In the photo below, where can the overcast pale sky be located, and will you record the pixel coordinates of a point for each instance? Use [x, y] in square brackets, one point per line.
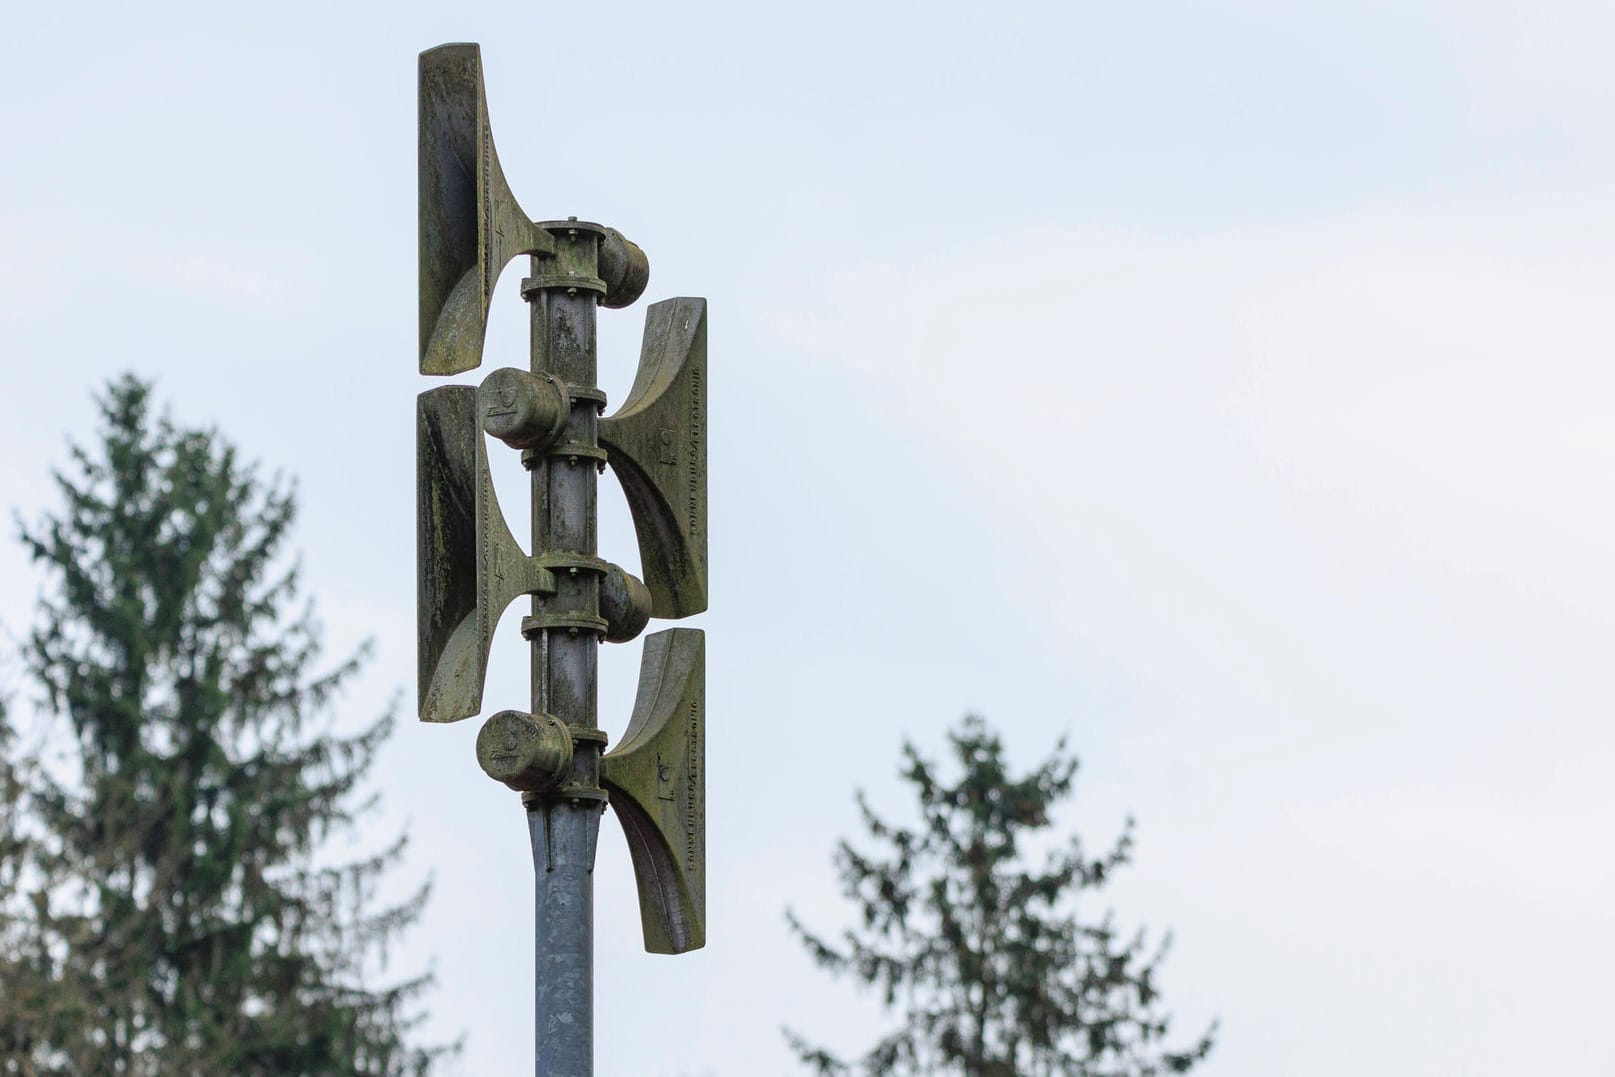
[1227, 384]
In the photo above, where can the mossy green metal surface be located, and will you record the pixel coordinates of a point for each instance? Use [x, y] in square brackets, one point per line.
[469, 567]
[624, 603]
[624, 268]
[470, 224]
[657, 782]
[657, 445]
[530, 753]
[522, 409]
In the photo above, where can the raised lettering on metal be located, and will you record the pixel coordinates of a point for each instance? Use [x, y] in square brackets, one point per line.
[657, 445]
[657, 782]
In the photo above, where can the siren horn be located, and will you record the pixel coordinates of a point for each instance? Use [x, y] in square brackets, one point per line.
[470, 223]
[657, 781]
[469, 568]
[657, 445]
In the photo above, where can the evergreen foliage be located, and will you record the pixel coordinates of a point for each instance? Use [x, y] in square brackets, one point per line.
[983, 955]
[165, 907]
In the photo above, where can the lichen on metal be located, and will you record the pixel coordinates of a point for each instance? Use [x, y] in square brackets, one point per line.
[657, 782]
[470, 224]
[530, 753]
[470, 567]
[656, 443]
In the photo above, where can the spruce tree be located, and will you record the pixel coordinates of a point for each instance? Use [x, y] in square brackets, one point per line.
[172, 909]
[24, 987]
[982, 954]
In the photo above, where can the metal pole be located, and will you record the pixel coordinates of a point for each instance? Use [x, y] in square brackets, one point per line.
[564, 824]
[563, 838]
[470, 566]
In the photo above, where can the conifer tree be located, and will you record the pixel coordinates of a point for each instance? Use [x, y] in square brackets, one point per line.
[170, 908]
[983, 955]
[22, 986]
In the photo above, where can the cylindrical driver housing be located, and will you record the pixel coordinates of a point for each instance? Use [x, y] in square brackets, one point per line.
[528, 752]
[522, 409]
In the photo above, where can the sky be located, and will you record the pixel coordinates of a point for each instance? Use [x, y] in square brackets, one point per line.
[1224, 385]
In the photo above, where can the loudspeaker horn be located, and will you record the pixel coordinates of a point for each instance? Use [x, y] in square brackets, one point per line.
[656, 779]
[469, 568]
[470, 224]
[657, 445]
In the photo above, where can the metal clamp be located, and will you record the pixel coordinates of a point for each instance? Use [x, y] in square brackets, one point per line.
[574, 621]
[531, 286]
[572, 450]
[584, 392]
[563, 561]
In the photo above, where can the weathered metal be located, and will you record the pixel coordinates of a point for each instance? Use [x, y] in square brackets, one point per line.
[624, 268]
[522, 409]
[470, 567]
[657, 781]
[530, 753]
[470, 224]
[563, 838]
[657, 447]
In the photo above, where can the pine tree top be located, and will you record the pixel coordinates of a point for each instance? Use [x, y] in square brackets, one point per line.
[980, 950]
